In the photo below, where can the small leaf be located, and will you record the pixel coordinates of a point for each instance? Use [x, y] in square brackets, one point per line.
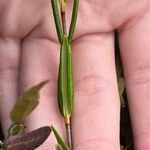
[29, 141]
[15, 129]
[65, 81]
[26, 103]
[61, 143]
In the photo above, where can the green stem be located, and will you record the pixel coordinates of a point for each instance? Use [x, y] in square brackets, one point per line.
[73, 19]
[57, 20]
[65, 77]
[65, 85]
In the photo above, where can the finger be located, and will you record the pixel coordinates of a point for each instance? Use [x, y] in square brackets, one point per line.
[135, 51]
[9, 70]
[39, 61]
[95, 121]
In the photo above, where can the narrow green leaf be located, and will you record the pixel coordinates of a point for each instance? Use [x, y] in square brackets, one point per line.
[26, 103]
[29, 141]
[121, 87]
[65, 80]
[57, 20]
[61, 143]
[73, 19]
[119, 68]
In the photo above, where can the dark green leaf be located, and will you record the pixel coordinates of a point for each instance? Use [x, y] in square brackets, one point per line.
[73, 20]
[61, 143]
[29, 141]
[57, 20]
[65, 80]
[26, 103]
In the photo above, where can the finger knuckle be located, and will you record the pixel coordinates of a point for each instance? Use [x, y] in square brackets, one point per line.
[93, 84]
[139, 76]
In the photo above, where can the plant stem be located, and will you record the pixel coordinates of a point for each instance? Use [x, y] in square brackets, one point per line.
[63, 16]
[67, 120]
[69, 134]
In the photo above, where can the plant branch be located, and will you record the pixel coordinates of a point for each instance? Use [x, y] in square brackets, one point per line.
[67, 120]
[69, 135]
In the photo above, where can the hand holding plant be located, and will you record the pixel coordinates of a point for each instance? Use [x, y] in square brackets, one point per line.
[29, 54]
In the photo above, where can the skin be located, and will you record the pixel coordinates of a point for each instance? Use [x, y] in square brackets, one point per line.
[29, 53]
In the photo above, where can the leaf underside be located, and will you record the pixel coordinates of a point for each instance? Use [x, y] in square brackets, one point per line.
[29, 141]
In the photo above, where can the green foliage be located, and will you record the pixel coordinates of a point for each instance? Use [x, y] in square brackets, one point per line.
[73, 19]
[61, 143]
[26, 103]
[57, 20]
[65, 80]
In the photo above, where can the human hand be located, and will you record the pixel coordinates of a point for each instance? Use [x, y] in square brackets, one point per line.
[29, 53]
